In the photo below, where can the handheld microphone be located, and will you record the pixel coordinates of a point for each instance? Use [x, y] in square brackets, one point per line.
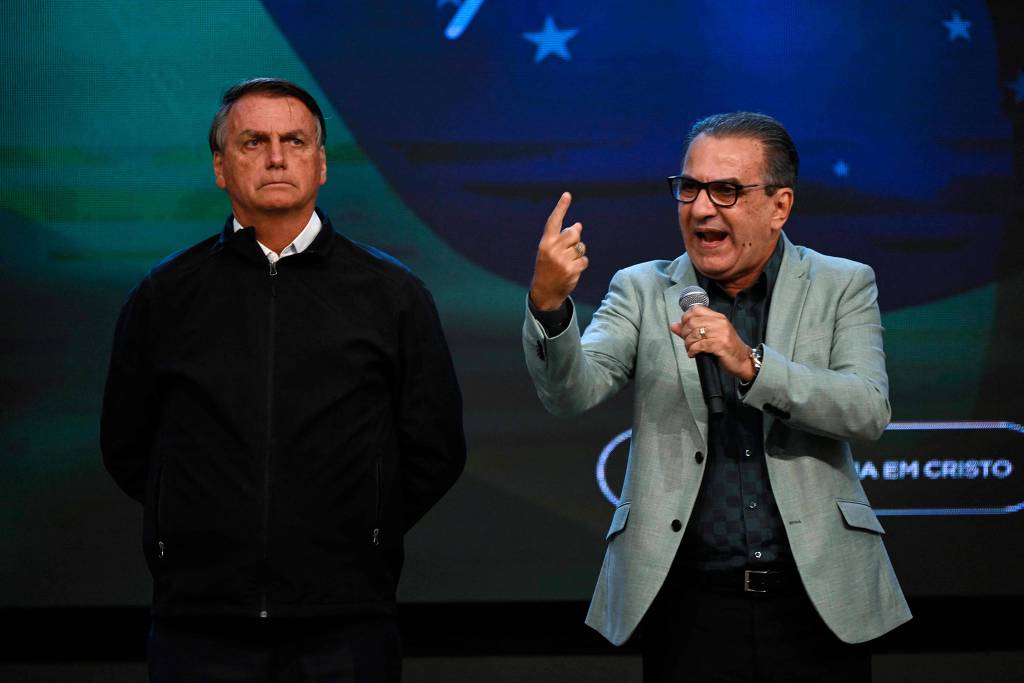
[707, 364]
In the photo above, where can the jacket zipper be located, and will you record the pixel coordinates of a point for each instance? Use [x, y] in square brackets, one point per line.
[269, 435]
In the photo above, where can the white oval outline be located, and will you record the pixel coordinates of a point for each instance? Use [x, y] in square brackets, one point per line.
[606, 452]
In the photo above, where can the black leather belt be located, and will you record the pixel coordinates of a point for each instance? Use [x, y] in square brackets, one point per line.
[763, 581]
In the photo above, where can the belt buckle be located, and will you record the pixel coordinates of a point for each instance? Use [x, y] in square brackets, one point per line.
[759, 583]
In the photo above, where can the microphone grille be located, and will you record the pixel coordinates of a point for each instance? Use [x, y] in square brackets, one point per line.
[693, 296]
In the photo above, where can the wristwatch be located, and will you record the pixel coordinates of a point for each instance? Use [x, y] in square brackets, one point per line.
[756, 355]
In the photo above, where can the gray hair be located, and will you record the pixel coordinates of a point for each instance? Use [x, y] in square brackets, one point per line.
[272, 87]
[781, 161]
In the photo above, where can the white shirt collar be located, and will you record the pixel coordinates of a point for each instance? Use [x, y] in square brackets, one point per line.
[298, 245]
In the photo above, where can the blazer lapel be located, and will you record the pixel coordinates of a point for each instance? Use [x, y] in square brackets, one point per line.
[683, 276]
[787, 305]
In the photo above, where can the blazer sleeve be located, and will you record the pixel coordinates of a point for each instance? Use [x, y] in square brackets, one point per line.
[128, 419]
[429, 415]
[572, 373]
[847, 397]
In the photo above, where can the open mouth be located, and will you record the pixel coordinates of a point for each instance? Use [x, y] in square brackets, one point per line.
[710, 235]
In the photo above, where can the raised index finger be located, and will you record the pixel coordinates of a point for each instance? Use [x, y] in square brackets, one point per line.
[557, 217]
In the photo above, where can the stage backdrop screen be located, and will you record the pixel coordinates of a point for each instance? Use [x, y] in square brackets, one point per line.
[454, 125]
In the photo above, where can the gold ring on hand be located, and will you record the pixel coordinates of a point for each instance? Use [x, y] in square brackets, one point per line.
[703, 332]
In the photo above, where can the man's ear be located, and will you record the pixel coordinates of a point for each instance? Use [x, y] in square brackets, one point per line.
[218, 170]
[782, 206]
[323, 165]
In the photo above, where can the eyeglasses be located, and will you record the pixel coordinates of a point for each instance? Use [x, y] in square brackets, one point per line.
[721, 193]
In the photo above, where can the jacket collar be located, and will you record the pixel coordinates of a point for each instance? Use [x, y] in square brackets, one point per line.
[243, 242]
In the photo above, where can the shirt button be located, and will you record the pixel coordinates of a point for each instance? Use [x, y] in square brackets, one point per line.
[699, 457]
[752, 504]
[757, 555]
[676, 525]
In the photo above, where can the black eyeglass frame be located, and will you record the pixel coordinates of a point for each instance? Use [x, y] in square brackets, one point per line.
[706, 188]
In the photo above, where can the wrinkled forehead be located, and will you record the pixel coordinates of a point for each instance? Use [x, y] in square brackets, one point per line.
[269, 114]
[724, 154]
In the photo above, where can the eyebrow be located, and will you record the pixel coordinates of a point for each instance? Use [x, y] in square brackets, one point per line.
[731, 179]
[297, 133]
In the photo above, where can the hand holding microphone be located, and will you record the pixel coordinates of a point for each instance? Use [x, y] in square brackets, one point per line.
[711, 340]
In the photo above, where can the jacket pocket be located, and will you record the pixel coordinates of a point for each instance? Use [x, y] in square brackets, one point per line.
[814, 334]
[814, 347]
[159, 521]
[378, 511]
[859, 515]
[618, 521]
[154, 524]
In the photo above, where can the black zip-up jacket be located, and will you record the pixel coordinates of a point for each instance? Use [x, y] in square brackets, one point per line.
[283, 425]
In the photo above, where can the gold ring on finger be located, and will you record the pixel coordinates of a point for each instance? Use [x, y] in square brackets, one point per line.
[703, 332]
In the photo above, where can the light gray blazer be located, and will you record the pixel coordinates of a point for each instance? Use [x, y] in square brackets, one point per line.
[822, 383]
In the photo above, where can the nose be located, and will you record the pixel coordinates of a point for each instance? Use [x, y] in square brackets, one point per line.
[275, 153]
[702, 206]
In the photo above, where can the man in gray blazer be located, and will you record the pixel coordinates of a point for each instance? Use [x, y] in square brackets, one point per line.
[744, 545]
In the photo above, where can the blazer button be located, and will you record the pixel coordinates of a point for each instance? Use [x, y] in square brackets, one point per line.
[676, 525]
[699, 457]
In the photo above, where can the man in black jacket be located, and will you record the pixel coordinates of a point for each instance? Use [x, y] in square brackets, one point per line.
[282, 402]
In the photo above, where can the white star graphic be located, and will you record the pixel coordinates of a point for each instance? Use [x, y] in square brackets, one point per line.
[551, 41]
[841, 169]
[957, 27]
[1017, 86]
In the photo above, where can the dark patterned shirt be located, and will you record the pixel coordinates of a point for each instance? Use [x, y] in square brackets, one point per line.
[735, 522]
